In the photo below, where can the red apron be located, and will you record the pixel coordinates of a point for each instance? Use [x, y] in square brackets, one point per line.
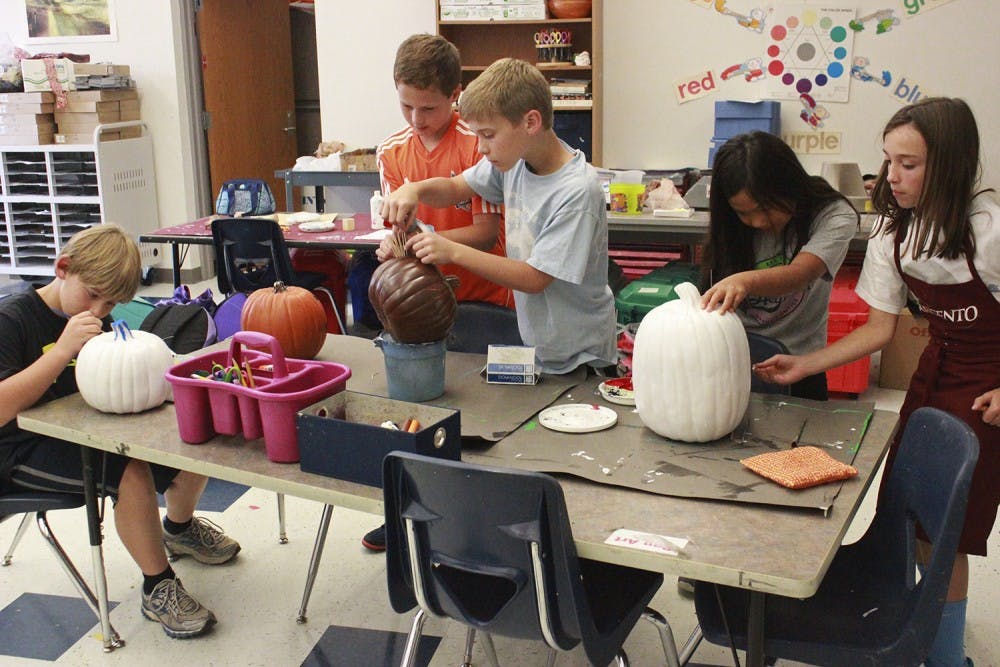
[961, 361]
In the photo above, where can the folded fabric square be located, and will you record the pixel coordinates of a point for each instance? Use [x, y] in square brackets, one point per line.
[799, 467]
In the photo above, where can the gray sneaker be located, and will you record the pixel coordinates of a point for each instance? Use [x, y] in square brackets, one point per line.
[203, 541]
[180, 615]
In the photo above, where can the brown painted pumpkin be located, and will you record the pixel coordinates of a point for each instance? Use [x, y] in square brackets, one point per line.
[291, 314]
[412, 300]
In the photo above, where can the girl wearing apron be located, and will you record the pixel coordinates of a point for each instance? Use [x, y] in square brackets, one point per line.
[939, 239]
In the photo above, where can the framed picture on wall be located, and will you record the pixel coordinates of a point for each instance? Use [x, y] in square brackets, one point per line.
[70, 20]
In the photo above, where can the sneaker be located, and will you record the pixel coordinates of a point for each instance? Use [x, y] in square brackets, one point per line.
[180, 615]
[204, 541]
[375, 539]
[685, 586]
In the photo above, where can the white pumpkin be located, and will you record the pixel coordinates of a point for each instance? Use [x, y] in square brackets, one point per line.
[123, 370]
[691, 369]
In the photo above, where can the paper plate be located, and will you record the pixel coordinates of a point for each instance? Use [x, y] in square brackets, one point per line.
[618, 390]
[316, 226]
[577, 418]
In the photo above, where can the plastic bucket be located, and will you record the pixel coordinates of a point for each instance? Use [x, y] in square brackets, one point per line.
[413, 371]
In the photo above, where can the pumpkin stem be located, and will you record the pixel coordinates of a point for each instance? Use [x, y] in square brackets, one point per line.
[279, 286]
[121, 328]
[689, 294]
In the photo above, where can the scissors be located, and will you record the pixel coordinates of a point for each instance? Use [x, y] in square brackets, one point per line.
[552, 37]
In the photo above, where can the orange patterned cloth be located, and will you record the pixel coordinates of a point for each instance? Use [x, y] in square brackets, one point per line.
[799, 467]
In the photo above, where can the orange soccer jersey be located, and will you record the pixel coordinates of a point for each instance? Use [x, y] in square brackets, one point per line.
[402, 158]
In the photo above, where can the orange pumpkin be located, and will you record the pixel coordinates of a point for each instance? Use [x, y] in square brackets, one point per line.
[291, 314]
[412, 300]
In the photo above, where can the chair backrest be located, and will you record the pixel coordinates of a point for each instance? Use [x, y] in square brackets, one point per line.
[489, 547]
[761, 348]
[250, 253]
[479, 324]
[928, 484]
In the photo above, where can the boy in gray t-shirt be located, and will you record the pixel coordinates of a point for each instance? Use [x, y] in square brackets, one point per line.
[556, 226]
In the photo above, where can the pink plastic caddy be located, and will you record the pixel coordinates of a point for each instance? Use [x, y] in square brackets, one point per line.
[206, 407]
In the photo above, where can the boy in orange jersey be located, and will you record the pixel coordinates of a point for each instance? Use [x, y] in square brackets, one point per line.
[436, 142]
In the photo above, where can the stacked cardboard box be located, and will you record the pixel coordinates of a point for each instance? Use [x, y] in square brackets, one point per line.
[86, 109]
[26, 118]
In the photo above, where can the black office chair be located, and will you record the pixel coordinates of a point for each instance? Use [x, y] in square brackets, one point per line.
[34, 505]
[869, 609]
[761, 348]
[479, 324]
[492, 548]
[250, 254]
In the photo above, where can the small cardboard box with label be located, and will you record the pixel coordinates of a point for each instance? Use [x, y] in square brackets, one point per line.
[900, 356]
[511, 364]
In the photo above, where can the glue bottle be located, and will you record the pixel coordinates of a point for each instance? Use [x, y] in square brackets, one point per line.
[375, 207]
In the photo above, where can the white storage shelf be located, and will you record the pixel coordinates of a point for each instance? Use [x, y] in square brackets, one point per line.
[50, 192]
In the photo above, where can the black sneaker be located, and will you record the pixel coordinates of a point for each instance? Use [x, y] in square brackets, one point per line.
[375, 539]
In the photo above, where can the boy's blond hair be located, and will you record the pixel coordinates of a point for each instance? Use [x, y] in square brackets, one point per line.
[428, 62]
[509, 88]
[106, 259]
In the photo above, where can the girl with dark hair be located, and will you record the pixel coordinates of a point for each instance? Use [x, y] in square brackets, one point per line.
[939, 237]
[777, 237]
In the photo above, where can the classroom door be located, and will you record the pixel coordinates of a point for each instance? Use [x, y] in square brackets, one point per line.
[246, 64]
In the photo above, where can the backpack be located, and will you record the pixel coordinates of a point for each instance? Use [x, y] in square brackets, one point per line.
[227, 315]
[183, 327]
[247, 196]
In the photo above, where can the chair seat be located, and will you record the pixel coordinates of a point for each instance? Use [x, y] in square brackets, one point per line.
[19, 502]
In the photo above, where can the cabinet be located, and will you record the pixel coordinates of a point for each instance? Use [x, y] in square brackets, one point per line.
[49, 192]
[482, 42]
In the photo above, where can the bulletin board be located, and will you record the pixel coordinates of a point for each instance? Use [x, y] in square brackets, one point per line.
[840, 69]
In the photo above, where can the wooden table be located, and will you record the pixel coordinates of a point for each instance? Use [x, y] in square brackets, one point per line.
[764, 549]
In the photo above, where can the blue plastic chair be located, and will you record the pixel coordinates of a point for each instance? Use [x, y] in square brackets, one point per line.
[869, 609]
[492, 548]
[479, 324]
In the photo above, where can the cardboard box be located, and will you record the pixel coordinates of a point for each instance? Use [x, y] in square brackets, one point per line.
[27, 108]
[37, 79]
[102, 95]
[341, 436]
[27, 140]
[91, 107]
[900, 357]
[27, 98]
[26, 120]
[87, 117]
[37, 131]
[362, 159]
[511, 364]
[100, 69]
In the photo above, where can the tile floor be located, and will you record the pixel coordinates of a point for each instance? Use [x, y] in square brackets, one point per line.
[350, 622]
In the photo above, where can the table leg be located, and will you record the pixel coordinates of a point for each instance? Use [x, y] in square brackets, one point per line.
[320, 199]
[289, 192]
[108, 635]
[175, 260]
[755, 630]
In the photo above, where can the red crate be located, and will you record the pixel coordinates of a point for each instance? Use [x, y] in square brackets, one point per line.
[843, 298]
[850, 378]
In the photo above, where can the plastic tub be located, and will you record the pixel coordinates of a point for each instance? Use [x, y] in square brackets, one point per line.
[282, 387]
[414, 372]
[625, 197]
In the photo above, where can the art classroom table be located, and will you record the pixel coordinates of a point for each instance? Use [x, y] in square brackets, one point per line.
[764, 549]
[199, 232]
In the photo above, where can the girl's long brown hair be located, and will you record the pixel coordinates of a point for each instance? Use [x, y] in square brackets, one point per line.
[951, 176]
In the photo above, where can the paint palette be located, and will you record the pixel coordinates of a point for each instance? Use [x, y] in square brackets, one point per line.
[618, 390]
[577, 418]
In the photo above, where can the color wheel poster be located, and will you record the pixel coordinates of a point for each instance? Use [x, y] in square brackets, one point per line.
[808, 52]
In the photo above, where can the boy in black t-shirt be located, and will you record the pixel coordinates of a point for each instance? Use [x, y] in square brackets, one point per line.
[41, 332]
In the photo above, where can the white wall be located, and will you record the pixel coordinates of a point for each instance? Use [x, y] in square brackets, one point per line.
[147, 32]
[648, 44]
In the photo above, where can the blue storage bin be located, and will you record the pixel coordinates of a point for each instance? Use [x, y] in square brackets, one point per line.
[732, 109]
[730, 127]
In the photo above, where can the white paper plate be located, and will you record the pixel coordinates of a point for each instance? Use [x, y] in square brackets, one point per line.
[577, 418]
[316, 226]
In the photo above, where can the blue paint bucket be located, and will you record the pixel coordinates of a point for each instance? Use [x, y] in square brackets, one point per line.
[413, 371]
